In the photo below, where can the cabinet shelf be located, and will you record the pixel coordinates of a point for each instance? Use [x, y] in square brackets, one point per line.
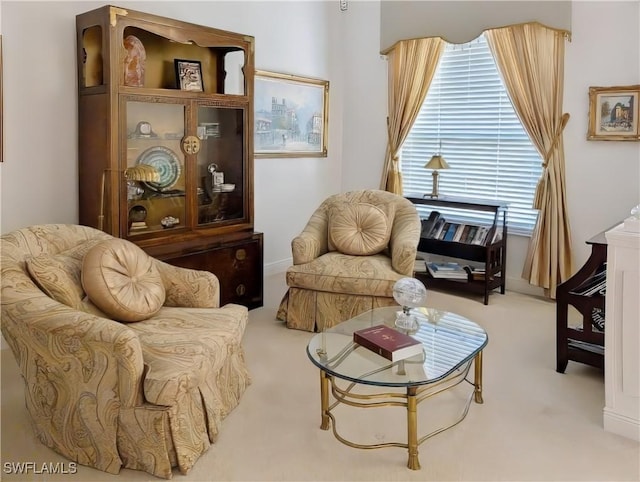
[491, 254]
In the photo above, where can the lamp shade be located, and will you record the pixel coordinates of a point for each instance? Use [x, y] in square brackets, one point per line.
[436, 162]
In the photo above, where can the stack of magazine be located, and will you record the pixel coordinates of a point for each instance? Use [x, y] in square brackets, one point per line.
[447, 270]
[595, 285]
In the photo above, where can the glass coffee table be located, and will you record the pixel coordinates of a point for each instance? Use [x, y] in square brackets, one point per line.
[451, 344]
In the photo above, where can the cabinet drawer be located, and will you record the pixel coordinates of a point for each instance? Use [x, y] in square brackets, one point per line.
[239, 268]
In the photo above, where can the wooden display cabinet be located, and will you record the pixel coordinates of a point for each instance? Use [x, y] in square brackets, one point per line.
[170, 168]
[492, 254]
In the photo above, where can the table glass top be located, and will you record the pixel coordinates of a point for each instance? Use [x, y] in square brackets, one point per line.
[449, 342]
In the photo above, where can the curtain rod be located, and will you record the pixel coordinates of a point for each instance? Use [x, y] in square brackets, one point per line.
[564, 32]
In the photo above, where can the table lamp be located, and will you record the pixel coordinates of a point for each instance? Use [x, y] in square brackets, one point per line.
[436, 163]
[141, 172]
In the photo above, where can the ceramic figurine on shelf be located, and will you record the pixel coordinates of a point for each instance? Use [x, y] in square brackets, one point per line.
[134, 62]
[632, 223]
[169, 222]
[217, 177]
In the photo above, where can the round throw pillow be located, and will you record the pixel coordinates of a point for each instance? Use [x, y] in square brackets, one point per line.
[122, 280]
[360, 229]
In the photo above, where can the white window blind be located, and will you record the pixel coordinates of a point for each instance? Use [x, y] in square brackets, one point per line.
[467, 118]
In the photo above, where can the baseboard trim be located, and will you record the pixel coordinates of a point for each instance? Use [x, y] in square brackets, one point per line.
[277, 267]
[621, 424]
[520, 285]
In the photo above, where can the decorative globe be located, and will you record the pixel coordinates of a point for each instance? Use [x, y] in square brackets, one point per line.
[408, 293]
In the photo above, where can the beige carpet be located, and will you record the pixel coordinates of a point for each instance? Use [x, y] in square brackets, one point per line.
[535, 424]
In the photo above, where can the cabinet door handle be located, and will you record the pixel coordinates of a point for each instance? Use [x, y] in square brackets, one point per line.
[191, 145]
[241, 254]
[241, 289]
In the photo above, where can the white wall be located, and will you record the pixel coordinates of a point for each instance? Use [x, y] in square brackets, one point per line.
[403, 19]
[365, 99]
[38, 177]
[603, 177]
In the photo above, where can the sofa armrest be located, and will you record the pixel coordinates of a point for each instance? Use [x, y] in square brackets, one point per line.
[312, 242]
[305, 248]
[76, 353]
[189, 287]
[404, 242]
[80, 371]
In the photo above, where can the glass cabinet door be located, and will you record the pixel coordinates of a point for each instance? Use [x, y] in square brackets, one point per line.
[220, 165]
[155, 167]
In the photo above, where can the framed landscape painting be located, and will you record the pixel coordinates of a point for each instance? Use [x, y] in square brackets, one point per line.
[290, 115]
[613, 113]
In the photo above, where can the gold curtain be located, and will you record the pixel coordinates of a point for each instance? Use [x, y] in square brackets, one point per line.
[411, 65]
[530, 58]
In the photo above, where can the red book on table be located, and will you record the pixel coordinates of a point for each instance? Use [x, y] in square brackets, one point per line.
[387, 342]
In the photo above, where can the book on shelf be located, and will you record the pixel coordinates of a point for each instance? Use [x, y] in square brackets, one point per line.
[437, 228]
[595, 285]
[451, 232]
[445, 266]
[429, 223]
[458, 234]
[420, 266]
[447, 270]
[491, 234]
[443, 230]
[387, 342]
[481, 236]
[464, 233]
[497, 236]
[470, 234]
[475, 274]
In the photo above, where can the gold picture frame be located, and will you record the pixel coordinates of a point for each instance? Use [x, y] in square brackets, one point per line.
[290, 115]
[613, 113]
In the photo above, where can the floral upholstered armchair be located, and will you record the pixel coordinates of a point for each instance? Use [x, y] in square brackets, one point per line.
[127, 361]
[348, 257]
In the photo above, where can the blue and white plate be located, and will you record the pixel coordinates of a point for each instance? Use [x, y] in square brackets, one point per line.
[166, 162]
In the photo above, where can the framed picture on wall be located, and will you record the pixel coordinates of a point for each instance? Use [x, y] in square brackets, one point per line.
[290, 115]
[613, 113]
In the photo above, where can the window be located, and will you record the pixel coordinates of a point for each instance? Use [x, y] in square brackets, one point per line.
[468, 118]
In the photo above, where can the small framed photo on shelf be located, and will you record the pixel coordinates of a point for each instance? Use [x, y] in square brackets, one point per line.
[613, 113]
[189, 75]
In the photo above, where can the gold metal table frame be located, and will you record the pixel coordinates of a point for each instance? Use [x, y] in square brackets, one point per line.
[335, 354]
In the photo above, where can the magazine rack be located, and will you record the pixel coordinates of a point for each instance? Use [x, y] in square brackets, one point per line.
[585, 291]
[492, 254]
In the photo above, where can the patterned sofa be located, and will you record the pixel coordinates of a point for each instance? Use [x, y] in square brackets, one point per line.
[145, 395]
[354, 248]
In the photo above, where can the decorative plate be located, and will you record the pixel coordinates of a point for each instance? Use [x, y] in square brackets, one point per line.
[167, 164]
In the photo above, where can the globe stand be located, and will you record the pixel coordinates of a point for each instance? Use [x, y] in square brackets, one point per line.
[406, 321]
[408, 293]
